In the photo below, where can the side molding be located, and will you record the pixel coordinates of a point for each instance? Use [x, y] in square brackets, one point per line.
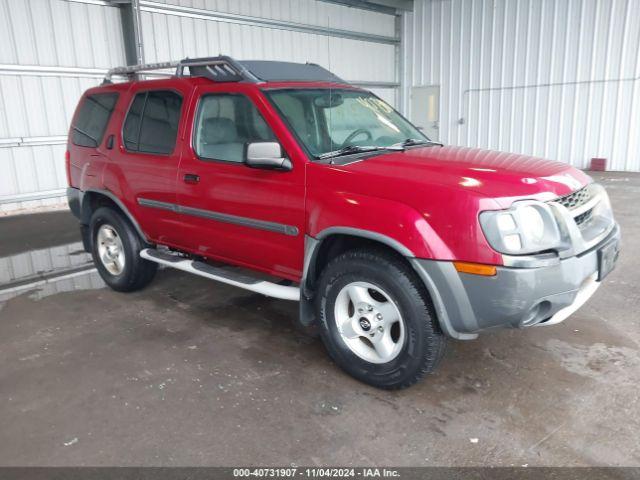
[222, 217]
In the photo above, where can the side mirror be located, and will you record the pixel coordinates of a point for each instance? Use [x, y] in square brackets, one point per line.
[267, 155]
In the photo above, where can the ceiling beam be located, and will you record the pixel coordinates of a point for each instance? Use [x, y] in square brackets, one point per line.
[390, 7]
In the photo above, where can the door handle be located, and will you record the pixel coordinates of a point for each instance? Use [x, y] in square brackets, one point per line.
[191, 178]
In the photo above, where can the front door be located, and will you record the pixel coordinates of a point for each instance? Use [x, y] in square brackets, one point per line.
[425, 110]
[229, 211]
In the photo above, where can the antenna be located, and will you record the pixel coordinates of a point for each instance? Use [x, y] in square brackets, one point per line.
[330, 86]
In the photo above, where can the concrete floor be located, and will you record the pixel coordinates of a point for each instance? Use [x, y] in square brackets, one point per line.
[189, 372]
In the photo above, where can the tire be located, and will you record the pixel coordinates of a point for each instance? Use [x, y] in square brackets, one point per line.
[418, 343]
[123, 270]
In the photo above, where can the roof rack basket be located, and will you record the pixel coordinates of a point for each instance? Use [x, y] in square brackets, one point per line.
[219, 69]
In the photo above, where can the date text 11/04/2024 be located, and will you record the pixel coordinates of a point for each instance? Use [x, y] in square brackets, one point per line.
[315, 472]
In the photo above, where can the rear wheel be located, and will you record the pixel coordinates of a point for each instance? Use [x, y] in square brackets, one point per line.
[115, 248]
[377, 321]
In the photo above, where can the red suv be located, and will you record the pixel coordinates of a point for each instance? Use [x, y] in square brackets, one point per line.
[282, 179]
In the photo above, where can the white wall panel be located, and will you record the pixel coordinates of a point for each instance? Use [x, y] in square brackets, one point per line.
[47, 33]
[32, 106]
[554, 78]
[170, 37]
[60, 33]
[309, 12]
[29, 169]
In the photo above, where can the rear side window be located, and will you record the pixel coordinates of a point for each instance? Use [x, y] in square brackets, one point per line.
[152, 122]
[92, 119]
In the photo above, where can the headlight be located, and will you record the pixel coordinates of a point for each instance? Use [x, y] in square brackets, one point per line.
[532, 223]
[527, 227]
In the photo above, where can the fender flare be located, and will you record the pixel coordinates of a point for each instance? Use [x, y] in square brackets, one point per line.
[120, 205]
[311, 247]
[312, 244]
[358, 232]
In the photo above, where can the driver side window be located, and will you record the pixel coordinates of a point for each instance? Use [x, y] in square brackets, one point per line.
[224, 124]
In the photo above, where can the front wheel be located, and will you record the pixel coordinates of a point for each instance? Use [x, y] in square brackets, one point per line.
[115, 246]
[377, 321]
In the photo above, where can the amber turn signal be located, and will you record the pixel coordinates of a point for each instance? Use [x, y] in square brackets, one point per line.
[476, 268]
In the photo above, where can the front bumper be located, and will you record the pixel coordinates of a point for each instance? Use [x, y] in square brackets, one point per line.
[515, 297]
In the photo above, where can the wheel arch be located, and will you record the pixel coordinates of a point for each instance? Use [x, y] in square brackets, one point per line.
[333, 241]
[328, 244]
[93, 199]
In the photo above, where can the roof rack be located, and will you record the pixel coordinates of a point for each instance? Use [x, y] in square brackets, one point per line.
[227, 69]
[219, 69]
[133, 70]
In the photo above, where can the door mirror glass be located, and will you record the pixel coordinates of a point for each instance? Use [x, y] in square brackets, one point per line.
[266, 155]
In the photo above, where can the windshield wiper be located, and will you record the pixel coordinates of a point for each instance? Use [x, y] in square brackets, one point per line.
[346, 151]
[349, 149]
[410, 142]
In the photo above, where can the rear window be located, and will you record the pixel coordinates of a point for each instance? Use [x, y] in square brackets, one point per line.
[92, 119]
[152, 122]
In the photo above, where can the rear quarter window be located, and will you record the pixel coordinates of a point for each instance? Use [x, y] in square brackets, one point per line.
[152, 122]
[92, 119]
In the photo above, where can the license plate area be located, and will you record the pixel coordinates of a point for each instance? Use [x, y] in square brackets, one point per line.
[607, 257]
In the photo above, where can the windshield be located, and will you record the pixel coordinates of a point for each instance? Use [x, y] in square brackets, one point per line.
[329, 120]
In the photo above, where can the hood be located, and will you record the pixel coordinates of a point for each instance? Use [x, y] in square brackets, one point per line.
[503, 177]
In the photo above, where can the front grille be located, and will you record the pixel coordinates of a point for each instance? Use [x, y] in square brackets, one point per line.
[584, 217]
[576, 199]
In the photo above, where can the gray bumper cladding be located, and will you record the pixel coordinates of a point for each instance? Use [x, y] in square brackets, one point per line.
[515, 297]
[74, 197]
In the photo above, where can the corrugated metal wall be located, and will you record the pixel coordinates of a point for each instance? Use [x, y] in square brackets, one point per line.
[554, 78]
[197, 29]
[52, 50]
[37, 96]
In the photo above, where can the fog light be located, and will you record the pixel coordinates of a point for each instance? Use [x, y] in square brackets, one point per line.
[538, 312]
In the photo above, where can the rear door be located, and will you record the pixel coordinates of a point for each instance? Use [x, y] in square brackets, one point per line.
[231, 212]
[145, 162]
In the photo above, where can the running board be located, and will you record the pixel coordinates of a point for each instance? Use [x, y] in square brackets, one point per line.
[202, 269]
